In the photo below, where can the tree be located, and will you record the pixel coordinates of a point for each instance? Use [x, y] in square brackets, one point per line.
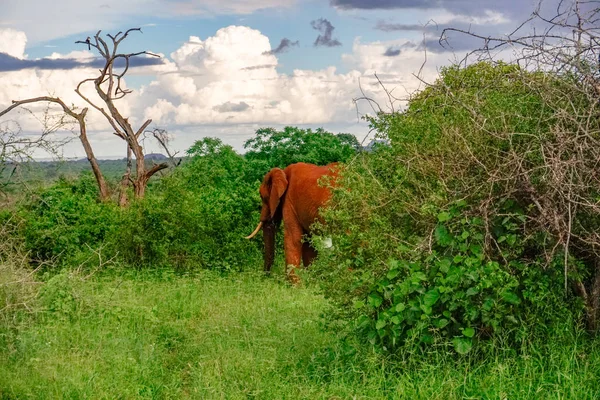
[349, 139]
[271, 148]
[108, 87]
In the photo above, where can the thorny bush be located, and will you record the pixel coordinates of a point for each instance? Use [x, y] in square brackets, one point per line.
[483, 136]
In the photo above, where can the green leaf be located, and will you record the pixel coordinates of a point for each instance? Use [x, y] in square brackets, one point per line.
[441, 323]
[419, 276]
[444, 216]
[487, 304]
[393, 273]
[462, 345]
[472, 291]
[380, 324]
[427, 338]
[445, 265]
[431, 297]
[400, 307]
[358, 304]
[375, 300]
[511, 298]
[442, 236]
[468, 332]
[426, 309]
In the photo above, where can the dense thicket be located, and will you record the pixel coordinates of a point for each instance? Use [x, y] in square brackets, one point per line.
[460, 229]
[194, 217]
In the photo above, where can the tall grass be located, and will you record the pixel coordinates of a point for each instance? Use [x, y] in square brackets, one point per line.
[18, 285]
[162, 335]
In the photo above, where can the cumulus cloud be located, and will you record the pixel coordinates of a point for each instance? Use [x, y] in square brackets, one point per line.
[396, 73]
[12, 42]
[229, 83]
[231, 77]
[325, 38]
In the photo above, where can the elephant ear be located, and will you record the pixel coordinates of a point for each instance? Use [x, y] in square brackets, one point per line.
[279, 185]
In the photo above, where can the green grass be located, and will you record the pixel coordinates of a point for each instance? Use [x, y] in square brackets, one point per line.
[151, 335]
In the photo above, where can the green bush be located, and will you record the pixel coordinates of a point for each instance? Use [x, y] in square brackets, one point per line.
[197, 217]
[58, 295]
[457, 230]
[457, 293]
[65, 222]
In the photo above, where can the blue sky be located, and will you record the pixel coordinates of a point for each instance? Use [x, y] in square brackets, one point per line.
[163, 35]
[216, 77]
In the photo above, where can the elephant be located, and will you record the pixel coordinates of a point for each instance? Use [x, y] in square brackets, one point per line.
[293, 195]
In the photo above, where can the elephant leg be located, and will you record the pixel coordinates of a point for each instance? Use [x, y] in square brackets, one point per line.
[292, 244]
[308, 254]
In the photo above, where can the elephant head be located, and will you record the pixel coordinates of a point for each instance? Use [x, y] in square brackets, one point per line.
[271, 190]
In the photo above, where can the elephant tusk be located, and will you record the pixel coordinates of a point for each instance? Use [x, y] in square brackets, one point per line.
[255, 231]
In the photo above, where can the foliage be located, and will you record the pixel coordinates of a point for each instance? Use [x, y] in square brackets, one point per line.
[272, 148]
[57, 295]
[456, 293]
[64, 223]
[195, 217]
[494, 139]
[198, 216]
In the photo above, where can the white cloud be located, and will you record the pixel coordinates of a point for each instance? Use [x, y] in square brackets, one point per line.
[234, 67]
[402, 75]
[12, 42]
[230, 78]
[228, 85]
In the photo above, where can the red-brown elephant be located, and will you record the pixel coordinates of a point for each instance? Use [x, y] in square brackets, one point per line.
[293, 195]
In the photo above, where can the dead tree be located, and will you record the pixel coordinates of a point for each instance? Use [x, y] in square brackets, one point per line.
[562, 43]
[109, 89]
[565, 42]
[108, 86]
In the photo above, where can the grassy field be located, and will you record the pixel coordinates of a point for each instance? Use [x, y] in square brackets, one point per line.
[162, 335]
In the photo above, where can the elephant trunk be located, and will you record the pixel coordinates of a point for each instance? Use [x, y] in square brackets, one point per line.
[269, 241]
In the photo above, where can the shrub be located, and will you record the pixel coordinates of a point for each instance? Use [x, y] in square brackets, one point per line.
[197, 217]
[457, 293]
[481, 153]
[65, 222]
